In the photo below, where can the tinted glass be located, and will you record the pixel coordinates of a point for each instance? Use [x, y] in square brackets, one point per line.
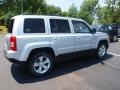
[10, 28]
[105, 28]
[102, 29]
[59, 26]
[80, 27]
[34, 26]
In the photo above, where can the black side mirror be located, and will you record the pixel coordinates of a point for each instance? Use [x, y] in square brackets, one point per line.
[93, 31]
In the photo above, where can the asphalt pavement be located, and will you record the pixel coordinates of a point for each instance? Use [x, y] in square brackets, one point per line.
[83, 73]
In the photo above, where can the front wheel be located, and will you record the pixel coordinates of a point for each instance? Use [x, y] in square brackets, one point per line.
[40, 64]
[101, 50]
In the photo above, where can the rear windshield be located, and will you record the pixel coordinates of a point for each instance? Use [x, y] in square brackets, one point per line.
[10, 28]
[34, 25]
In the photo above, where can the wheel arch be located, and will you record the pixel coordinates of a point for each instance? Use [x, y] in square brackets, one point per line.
[104, 41]
[46, 49]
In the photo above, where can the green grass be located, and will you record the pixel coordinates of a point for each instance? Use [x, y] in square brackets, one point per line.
[3, 29]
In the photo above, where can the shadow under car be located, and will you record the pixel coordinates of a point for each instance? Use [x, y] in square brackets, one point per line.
[22, 76]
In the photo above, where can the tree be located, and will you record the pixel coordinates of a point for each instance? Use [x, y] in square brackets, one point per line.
[9, 8]
[30, 6]
[110, 13]
[34, 6]
[53, 10]
[65, 14]
[7, 5]
[73, 12]
[1, 1]
[87, 10]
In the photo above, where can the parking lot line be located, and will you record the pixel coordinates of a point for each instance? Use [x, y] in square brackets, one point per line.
[114, 54]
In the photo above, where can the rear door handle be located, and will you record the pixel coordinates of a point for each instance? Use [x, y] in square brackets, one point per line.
[55, 38]
[78, 37]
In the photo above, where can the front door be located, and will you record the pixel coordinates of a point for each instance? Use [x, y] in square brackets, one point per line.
[83, 37]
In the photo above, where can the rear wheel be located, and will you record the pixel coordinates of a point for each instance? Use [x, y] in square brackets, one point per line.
[101, 50]
[40, 64]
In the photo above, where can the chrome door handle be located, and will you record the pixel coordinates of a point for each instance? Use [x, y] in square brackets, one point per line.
[55, 38]
[78, 37]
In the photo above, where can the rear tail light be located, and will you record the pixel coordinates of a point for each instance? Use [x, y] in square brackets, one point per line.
[13, 45]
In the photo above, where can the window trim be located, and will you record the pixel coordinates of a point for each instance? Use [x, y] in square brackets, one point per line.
[34, 19]
[59, 19]
[84, 24]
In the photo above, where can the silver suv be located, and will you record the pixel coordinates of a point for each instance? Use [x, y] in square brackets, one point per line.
[39, 41]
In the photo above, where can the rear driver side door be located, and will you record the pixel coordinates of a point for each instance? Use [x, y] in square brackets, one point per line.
[61, 38]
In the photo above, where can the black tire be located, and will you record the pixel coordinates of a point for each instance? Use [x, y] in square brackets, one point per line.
[32, 61]
[98, 50]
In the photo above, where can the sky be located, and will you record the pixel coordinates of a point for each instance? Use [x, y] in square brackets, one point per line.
[65, 4]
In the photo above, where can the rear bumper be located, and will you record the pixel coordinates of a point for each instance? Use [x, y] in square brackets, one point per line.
[15, 61]
[9, 57]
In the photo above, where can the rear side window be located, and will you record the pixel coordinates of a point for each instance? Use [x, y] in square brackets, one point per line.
[59, 26]
[34, 26]
[10, 28]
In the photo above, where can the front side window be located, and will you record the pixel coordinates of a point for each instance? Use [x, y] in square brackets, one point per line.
[34, 26]
[80, 27]
[59, 26]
